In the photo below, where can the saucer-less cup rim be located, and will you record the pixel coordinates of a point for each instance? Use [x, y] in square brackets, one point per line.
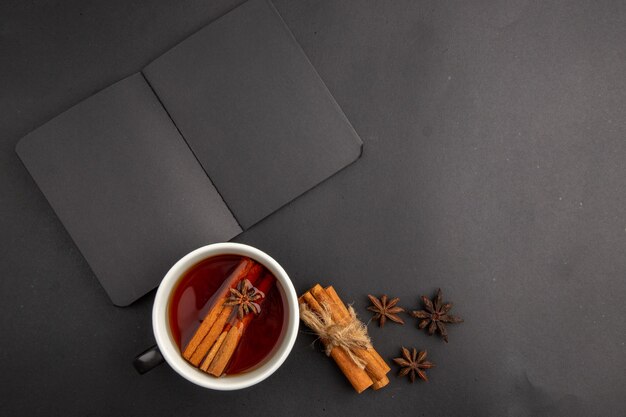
[169, 348]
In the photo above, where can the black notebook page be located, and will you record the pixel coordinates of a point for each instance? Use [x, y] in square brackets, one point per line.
[126, 186]
[254, 111]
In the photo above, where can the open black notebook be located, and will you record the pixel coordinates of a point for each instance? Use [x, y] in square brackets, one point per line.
[208, 139]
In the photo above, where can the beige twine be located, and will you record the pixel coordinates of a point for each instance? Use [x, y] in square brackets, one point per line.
[349, 336]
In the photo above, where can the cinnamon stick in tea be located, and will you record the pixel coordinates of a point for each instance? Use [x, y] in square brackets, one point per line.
[238, 273]
[225, 352]
[211, 337]
[216, 346]
[232, 335]
[226, 312]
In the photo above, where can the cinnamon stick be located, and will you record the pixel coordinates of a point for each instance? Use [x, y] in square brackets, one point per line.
[358, 378]
[225, 352]
[217, 365]
[344, 312]
[209, 357]
[380, 383]
[216, 329]
[212, 336]
[240, 271]
[340, 315]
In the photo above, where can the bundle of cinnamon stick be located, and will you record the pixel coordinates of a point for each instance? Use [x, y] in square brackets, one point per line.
[215, 341]
[357, 359]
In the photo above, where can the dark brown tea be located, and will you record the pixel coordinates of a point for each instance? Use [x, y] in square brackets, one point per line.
[194, 297]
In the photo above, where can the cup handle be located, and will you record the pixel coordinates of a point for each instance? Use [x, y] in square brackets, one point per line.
[148, 360]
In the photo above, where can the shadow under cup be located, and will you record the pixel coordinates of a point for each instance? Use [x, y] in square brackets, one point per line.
[182, 302]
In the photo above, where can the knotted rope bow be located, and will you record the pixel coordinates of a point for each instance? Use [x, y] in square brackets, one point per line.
[349, 336]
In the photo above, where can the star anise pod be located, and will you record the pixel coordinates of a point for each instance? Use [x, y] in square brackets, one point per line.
[413, 363]
[244, 298]
[436, 316]
[385, 309]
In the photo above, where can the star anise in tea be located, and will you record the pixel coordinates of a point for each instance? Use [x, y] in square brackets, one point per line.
[436, 316]
[413, 364]
[245, 297]
[384, 309]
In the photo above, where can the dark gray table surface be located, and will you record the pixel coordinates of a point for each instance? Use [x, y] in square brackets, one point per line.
[494, 167]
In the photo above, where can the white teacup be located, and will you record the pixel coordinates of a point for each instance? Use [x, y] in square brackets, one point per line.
[168, 347]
